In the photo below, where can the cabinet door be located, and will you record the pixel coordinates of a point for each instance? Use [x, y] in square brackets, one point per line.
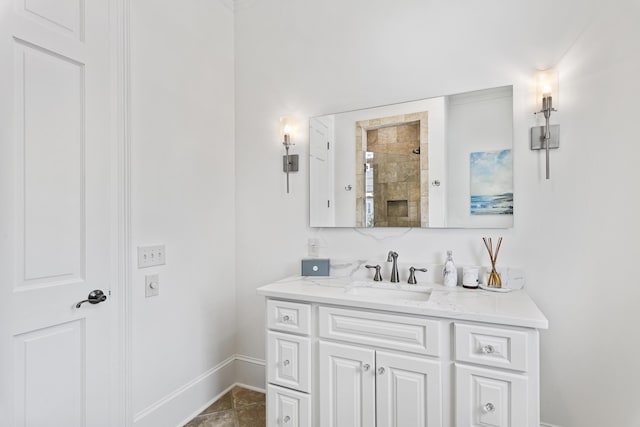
[289, 359]
[408, 392]
[347, 386]
[490, 398]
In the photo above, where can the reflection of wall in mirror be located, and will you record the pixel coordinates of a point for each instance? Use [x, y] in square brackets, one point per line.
[476, 121]
[321, 169]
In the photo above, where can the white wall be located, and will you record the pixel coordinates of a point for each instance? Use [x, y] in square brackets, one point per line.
[576, 234]
[183, 197]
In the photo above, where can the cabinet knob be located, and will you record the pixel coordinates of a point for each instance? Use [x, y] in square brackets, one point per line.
[489, 407]
[286, 318]
[286, 419]
[286, 363]
[366, 366]
[488, 349]
[381, 370]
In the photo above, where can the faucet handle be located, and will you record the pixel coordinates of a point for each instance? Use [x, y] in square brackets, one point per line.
[412, 274]
[377, 277]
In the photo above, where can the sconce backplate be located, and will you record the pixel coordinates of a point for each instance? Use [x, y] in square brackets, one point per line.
[537, 137]
[293, 163]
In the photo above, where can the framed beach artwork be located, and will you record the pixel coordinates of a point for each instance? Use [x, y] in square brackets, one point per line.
[492, 183]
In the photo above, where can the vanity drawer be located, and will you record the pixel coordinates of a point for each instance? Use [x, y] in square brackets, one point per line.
[289, 361]
[401, 333]
[485, 345]
[486, 397]
[287, 407]
[288, 316]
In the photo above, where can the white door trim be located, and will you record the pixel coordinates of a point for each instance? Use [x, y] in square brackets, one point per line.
[121, 333]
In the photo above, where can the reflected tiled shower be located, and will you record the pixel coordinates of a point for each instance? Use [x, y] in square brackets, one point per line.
[393, 157]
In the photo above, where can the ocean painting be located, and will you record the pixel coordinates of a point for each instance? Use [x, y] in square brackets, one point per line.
[492, 183]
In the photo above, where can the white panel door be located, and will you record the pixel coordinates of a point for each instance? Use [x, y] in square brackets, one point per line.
[320, 174]
[55, 212]
[347, 386]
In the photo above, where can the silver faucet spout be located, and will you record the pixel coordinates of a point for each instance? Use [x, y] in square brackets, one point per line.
[393, 257]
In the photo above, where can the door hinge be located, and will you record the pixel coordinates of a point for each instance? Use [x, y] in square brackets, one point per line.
[328, 145]
[109, 292]
[328, 203]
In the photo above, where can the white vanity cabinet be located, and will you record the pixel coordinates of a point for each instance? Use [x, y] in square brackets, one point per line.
[337, 363]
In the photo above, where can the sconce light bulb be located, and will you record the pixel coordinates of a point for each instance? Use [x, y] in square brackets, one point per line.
[546, 90]
[286, 135]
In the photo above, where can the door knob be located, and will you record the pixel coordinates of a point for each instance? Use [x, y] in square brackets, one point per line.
[95, 297]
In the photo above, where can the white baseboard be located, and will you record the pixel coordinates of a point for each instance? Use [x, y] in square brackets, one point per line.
[250, 387]
[548, 425]
[205, 406]
[245, 371]
[250, 372]
[175, 406]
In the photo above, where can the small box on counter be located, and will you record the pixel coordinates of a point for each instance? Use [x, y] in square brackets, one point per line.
[315, 267]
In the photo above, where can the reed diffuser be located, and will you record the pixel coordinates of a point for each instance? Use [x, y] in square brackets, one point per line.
[494, 280]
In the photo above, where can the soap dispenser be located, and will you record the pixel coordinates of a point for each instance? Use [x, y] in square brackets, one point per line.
[450, 272]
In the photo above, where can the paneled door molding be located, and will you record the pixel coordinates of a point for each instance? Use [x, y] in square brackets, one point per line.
[122, 338]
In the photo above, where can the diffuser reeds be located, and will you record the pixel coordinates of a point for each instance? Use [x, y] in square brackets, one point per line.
[493, 279]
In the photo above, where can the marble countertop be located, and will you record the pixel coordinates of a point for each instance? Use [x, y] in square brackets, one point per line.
[514, 308]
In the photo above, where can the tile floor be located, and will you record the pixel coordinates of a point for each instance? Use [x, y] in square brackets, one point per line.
[240, 407]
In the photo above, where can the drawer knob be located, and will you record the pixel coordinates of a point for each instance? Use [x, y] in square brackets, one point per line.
[366, 366]
[286, 318]
[286, 363]
[381, 370]
[489, 407]
[488, 349]
[286, 419]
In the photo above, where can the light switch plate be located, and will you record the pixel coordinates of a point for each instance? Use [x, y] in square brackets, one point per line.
[149, 256]
[151, 285]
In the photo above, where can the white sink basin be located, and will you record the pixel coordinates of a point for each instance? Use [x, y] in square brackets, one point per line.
[394, 294]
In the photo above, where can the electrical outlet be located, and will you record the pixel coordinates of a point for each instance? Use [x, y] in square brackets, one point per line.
[313, 247]
[149, 256]
[151, 285]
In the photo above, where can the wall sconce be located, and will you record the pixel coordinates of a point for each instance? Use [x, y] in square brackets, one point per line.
[546, 137]
[289, 161]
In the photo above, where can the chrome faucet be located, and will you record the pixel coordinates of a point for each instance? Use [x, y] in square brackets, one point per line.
[412, 274]
[393, 256]
[378, 276]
